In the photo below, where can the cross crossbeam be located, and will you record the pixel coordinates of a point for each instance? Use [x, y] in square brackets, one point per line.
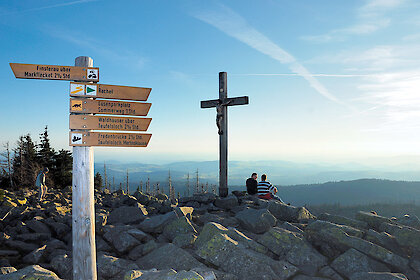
[221, 105]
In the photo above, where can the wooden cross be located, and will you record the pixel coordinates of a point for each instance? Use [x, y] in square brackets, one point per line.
[222, 124]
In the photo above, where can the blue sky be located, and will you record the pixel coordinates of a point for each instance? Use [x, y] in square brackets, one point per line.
[327, 80]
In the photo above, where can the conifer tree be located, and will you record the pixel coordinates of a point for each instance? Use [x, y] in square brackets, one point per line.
[97, 181]
[62, 169]
[25, 166]
[45, 154]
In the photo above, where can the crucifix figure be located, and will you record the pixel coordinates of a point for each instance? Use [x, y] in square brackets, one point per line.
[221, 105]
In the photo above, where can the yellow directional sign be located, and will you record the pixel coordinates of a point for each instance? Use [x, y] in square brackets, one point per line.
[80, 138]
[106, 107]
[109, 91]
[55, 72]
[109, 123]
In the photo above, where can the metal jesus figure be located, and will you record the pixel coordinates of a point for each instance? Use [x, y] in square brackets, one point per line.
[221, 105]
[219, 115]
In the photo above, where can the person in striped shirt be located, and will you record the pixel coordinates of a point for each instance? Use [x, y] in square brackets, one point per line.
[266, 190]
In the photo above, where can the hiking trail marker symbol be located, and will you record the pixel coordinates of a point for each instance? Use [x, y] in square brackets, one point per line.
[221, 105]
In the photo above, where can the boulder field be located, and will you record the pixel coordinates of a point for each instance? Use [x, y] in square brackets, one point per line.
[238, 237]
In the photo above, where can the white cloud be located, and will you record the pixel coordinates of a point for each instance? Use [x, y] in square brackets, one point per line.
[235, 26]
[370, 18]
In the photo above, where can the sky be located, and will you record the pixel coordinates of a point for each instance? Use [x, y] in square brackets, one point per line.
[327, 80]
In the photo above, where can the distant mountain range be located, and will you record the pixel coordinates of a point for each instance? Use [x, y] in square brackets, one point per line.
[279, 172]
[300, 183]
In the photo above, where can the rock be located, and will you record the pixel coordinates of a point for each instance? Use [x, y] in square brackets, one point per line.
[294, 248]
[38, 227]
[223, 219]
[155, 224]
[149, 247]
[120, 238]
[35, 256]
[330, 273]
[100, 220]
[353, 261]
[405, 236]
[343, 221]
[179, 226]
[127, 215]
[63, 265]
[336, 237]
[167, 274]
[31, 272]
[205, 198]
[211, 229]
[168, 256]
[8, 204]
[374, 221]
[256, 220]
[289, 213]
[385, 240]
[142, 198]
[21, 246]
[33, 237]
[136, 253]
[7, 269]
[305, 277]
[184, 240]
[101, 244]
[8, 253]
[207, 273]
[377, 276]
[184, 211]
[410, 221]
[112, 267]
[228, 202]
[224, 252]
[288, 226]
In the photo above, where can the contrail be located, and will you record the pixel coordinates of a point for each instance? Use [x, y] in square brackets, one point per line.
[313, 75]
[235, 26]
[49, 7]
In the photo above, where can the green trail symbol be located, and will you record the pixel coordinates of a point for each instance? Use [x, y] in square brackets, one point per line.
[89, 90]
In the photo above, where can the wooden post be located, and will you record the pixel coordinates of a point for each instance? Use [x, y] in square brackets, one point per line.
[83, 212]
[223, 144]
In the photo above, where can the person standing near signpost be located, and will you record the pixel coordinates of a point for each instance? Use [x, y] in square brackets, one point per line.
[40, 183]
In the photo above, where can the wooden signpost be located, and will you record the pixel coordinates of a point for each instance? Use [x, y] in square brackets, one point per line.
[55, 72]
[222, 124]
[109, 123]
[88, 106]
[84, 91]
[109, 91]
[82, 138]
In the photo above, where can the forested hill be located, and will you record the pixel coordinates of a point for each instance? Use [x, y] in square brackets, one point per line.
[362, 191]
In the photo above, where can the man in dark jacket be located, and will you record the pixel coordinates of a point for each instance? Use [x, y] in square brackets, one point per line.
[251, 184]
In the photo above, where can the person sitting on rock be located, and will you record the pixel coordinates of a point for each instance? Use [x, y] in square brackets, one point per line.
[40, 183]
[252, 184]
[266, 190]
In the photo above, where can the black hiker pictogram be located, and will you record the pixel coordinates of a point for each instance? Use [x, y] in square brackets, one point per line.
[75, 139]
[92, 74]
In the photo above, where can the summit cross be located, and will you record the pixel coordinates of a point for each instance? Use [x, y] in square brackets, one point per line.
[222, 125]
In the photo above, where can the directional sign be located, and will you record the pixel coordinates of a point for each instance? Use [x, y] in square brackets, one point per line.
[81, 138]
[109, 107]
[109, 91]
[109, 123]
[55, 72]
